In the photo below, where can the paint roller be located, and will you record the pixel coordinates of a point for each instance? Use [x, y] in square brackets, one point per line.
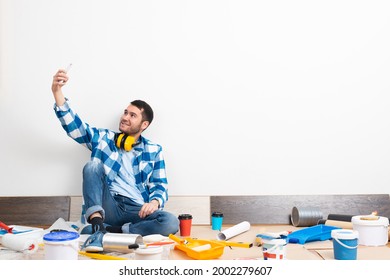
[20, 243]
[337, 220]
[335, 223]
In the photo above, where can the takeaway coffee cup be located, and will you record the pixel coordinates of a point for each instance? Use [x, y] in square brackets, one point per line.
[185, 224]
[216, 221]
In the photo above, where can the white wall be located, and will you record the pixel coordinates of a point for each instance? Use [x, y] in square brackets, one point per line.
[250, 97]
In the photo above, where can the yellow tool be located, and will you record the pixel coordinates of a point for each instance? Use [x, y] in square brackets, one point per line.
[201, 249]
[234, 244]
[101, 256]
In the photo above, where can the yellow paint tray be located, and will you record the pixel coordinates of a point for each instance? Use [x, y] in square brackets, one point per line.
[190, 247]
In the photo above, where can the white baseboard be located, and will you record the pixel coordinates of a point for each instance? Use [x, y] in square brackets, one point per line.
[197, 206]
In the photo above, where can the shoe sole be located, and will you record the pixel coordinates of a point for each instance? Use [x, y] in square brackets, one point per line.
[93, 249]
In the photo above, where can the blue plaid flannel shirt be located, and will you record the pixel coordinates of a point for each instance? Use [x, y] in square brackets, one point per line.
[148, 166]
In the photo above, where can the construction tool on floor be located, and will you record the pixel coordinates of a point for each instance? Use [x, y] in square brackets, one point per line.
[270, 235]
[99, 256]
[4, 226]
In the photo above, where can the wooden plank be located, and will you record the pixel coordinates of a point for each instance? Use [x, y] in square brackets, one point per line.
[34, 210]
[276, 209]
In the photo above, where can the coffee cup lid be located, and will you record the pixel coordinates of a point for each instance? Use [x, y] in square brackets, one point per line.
[217, 214]
[185, 216]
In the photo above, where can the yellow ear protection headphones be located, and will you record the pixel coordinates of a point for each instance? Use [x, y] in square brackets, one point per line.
[123, 141]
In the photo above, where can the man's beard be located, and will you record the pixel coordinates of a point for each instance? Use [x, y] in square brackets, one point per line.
[132, 130]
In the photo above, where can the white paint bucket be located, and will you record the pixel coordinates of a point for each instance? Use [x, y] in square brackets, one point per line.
[372, 232]
[274, 249]
[61, 245]
[149, 253]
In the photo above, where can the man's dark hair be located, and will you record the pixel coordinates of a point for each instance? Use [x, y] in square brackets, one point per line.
[147, 111]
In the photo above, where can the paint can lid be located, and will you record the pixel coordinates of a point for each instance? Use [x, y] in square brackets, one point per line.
[366, 221]
[149, 250]
[58, 236]
[185, 217]
[344, 234]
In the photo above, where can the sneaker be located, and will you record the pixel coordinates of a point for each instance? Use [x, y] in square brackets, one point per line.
[86, 230]
[94, 243]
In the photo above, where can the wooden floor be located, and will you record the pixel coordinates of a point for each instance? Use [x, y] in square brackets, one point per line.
[317, 250]
[264, 213]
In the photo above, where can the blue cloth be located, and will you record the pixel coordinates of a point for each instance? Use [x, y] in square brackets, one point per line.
[148, 167]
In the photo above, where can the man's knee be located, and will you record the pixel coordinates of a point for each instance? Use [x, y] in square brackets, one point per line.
[170, 222]
[92, 166]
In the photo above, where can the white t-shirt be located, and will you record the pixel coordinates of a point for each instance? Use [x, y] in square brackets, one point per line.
[124, 183]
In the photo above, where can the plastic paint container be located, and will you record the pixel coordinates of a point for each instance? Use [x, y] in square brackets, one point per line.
[372, 232]
[274, 249]
[345, 244]
[61, 245]
[149, 253]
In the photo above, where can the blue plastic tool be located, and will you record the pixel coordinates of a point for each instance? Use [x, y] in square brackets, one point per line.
[313, 233]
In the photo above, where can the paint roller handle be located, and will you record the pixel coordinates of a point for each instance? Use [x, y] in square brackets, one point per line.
[340, 217]
[133, 246]
[160, 243]
[175, 238]
[4, 226]
[99, 256]
[235, 244]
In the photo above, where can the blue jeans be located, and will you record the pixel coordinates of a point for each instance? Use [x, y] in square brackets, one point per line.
[118, 210]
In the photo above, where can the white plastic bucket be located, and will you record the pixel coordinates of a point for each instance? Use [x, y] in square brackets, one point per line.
[149, 253]
[274, 249]
[345, 244]
[61, 245]
[371, 232]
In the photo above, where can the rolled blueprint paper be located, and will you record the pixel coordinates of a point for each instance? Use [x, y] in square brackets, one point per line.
[233, 231]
